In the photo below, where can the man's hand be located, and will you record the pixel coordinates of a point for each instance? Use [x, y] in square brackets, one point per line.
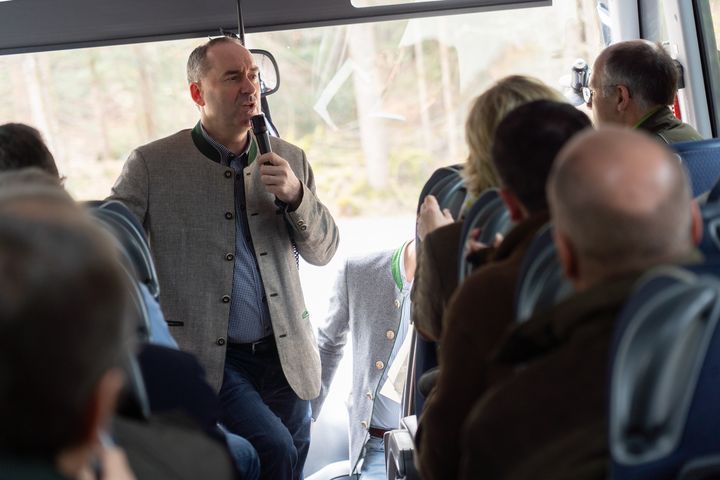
[473, 245]
[431, 218]
[280, 180]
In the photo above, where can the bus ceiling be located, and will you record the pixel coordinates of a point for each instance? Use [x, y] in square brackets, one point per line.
[40, 25]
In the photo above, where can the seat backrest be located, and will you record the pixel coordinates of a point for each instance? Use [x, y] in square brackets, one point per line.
[451, 194]
[129, 232]
[541, 283]
[710, 243]
[491, 216]
[665, 374]
[702, 161]
[437, 176]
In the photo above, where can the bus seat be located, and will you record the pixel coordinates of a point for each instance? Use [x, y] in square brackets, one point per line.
[451, 193]
[127, 230]
[710, 243]
[490, 215]
[665, 376]
[436, 177]
[541, 283]
[714, 193]
[702, 161]
[133, 401]
[399, 450]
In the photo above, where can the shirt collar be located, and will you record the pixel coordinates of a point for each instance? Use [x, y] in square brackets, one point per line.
[225, 153]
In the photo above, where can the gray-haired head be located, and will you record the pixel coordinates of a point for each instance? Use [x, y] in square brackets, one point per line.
[197, 64]
[644, 67]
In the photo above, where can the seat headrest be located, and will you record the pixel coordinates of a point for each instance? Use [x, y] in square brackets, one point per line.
[702, 162]
[491, 216]
[541, 283]
[662, 338]
[129, 233]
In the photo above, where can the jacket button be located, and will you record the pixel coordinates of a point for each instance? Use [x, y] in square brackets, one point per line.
[390, 334]
[364, 424]
[397, 303]
[228, 174]
[228, 215]
[369, 395]
[220, 341]
[379, 365]
[226, 299]
[300, 223]
[303, 228]
[229, 257]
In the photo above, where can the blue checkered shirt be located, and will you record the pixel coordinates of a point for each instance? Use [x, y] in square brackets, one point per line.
[249, 314]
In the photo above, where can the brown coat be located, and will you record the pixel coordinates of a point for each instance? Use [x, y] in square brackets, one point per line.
[436, 278]
[478, 315]
[549, 419]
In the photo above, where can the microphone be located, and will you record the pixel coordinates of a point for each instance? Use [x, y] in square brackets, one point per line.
[259, 128]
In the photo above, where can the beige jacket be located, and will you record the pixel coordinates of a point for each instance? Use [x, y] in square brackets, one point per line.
[185, 200]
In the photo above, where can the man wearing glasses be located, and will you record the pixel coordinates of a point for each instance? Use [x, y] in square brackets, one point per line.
[633, 83]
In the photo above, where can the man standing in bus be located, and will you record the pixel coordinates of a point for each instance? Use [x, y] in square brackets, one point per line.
[371, 301]
[227, 257]
[632, 84]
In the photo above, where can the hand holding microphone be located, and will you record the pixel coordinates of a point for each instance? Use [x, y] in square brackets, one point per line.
[275, 171]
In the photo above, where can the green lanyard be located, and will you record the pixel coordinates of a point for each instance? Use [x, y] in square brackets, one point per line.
[395, 266]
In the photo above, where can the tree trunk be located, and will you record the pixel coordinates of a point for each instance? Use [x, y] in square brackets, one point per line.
[423, 101]
[98, 104]
[146, 92]
[368, 100]
[447, 90]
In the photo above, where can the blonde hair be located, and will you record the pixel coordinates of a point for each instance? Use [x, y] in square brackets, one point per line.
[488, 110]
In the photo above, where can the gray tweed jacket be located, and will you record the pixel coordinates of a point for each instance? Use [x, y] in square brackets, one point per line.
[366, 302]
[185, 200]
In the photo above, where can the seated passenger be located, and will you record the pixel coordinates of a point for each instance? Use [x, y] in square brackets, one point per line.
[21, 146]
[526, 143]
[437, 270]
[371, 300]
[620, 204]
[62, 331]
[632, 84]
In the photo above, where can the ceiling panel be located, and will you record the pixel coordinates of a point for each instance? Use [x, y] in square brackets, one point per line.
[36, 25]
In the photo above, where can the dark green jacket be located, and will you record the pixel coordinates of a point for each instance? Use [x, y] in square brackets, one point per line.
[666, 126]
[16, 470]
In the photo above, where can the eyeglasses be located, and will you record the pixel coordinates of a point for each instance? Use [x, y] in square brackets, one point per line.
[588, 94]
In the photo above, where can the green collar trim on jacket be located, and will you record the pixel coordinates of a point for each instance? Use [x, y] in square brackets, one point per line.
[210, 152]
[395, 266]
[647, 116]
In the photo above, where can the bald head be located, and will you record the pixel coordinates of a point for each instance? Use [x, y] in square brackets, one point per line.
[622, 202]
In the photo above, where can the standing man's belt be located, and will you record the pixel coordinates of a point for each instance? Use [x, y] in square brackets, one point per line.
[377, 432]
[266, 344]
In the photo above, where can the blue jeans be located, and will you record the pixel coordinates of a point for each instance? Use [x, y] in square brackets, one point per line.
[259, 405]
[243, 455]
[373, 467]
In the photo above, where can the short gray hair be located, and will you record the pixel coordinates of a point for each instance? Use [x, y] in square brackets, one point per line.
[645, 68]
[197, 64]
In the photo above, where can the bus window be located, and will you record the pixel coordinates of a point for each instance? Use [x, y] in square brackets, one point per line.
[708, 19]
[376, 106]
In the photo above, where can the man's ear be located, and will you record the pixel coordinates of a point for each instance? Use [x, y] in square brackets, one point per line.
[567, 256]
[696, 223]
[516, 209]
[101, 407]
[623, 98]
[196, 94]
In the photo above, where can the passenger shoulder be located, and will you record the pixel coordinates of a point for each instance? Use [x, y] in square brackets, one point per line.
[161, 146]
